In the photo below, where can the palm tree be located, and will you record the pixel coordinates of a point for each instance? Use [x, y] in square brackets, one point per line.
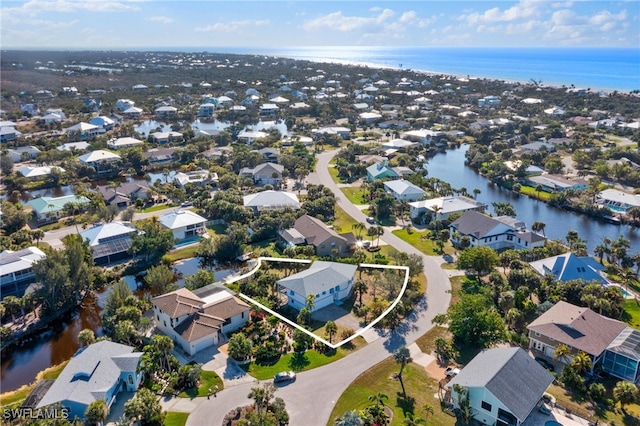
[626, 393]
[476, 192]
[539, 226]
[428, 410]
[582, 363]
[600, 251]
[311, 302]
[402, 356]
[379, 233]
[561, 352]
[378, 399]
[411, 420]
[97, 412]
[331, 329]
[350, 418]
[358, 227]
[360, 287]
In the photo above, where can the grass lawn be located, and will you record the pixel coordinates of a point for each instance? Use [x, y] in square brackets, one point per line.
[292, 361]
[632, 309]
[158, 208]
[530, 191]
[354, 194]
[425, 245]
[343, 220]
[22, 392]
[176, 419]
[426, 342]
[333, 171]
[182, 253]
[208, 380]
[420, 389]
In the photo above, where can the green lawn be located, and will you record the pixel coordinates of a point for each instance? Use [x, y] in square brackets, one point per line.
[426, 342]
[291, 361]
[425, 245]
[632, 309]
[208, 380]
[334, 174]
[175, 419]
[182, 253]
[158, 208]
[343, 221]
[530, 191]
[354, 194]
[420, 390]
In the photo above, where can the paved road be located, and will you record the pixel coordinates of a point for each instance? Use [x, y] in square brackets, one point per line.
[312, 397]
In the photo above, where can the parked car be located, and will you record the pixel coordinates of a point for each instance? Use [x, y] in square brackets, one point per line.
[450, 371]
[546, 364]
[186, 204]
[371, 220]
[284, 376]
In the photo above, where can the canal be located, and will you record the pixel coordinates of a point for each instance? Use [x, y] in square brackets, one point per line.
[449, 166]
[20, 365]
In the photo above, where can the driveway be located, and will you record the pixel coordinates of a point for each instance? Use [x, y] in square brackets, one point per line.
[312, 397]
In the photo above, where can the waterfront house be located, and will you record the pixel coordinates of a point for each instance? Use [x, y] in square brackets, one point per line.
[442, 207]
[271, 200]
[98, 371]
[250, 136]
[37, 173]
[196, 177]
[133, 112]
[269, 109]
[310, 230]
[265, 173]
[504, 386]
[109, 242]
[102, 161]
[423, 136]
[125, 194]
[16, 270]
[618, 201]
[161, 156]
[196, 320]
[50, 209]
[166, 137]
[184, 224]
[83, 131]
[608, 342]
[329, 282]
[206, 110]
[403, 190]
[499, 233]
[569, 267]
[557, 183]
[103, 122]
[166, 112]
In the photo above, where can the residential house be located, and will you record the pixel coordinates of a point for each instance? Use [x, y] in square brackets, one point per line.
[8, 132]
[557, 183]
[442, 207]
[184, 224]
[125, 194]
[16, 270]
[380, 171]
[316, 233]
[370, 117]
[132, 113]
[23, 153]
[103, 122]
[499, 233]
[504, 386]
[160, 156]
[488, 101]
[269, 109]
[102, 161]
[329, 282]
[608, 342]
[393, 124]
[343, 132]
[537, 146]
[423, 136]
[109, 242]
[199, 319]
[398, 144]
[166, 112]
[37, 173]
[250, 136]
[403, 190]
[83, 131]
[97, 372]
[50, 209]
[124, 104]
[371, 158]
[166, 137]
[265, 173]
[71, 146]
[270, 155]
[569, 267]
[618, 201]
[196, 177]
[55, 111]
[126, 142]
[271, 200]
[206, 110]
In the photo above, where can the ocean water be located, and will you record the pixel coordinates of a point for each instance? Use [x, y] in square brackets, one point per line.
[594, 68]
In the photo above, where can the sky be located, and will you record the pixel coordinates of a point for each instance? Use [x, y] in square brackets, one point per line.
[207, 24]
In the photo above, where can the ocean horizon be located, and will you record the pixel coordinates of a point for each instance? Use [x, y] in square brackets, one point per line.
[607, 69]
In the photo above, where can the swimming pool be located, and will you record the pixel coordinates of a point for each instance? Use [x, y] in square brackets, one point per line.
[552, 423]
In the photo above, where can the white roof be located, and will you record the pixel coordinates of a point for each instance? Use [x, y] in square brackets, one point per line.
[180, 219]
[620, 197]
[30, 172]
[14, 261]
[403, 187]
[73, 145]
[106, 232]
[531, 101]
[120, 142]
[81, 127]
[446, 204]
[398, 143]
[271, 200]
[98, 155]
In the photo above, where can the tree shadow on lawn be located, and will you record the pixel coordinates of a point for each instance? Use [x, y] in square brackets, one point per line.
[299, 361]
[406, 403]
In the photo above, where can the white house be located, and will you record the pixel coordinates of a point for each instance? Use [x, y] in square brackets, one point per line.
[35, 173]
[199, 319]
[126, 142]
[329, 282]
[98, 371]
[104, 122]
[100, 160]
[403, 190]
[271, 200]
[618, 201]
[16, 269]
[504, 386]
[206, 110]
[250, 136]
[109, 241]
[83, 130]
[196, 177]
[444, 206]
[184, 224]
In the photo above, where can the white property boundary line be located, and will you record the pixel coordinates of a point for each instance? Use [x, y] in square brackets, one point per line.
[304, 330]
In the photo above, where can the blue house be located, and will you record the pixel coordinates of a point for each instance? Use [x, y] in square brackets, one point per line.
[380, 171]
[568, 267]
[98, 371]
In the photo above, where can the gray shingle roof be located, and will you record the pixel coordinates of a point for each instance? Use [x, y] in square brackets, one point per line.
[314, 230]
[510, 374]
[321, 276]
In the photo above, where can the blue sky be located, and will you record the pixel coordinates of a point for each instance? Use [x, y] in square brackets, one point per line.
[207, 24]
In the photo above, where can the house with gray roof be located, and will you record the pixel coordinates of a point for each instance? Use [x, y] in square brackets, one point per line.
[499, 233]
[403, 190]
[265, 173]
[271, 200]
[109, 242]
[329, 282]
[16, 270]
[504, 386]
[313, 231]
[98, 371]
[442, 207]
[199, 319]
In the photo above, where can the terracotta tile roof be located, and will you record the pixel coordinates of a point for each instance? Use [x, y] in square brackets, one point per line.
[178, 303]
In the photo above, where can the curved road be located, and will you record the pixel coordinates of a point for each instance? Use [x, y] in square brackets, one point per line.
[312, 397]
